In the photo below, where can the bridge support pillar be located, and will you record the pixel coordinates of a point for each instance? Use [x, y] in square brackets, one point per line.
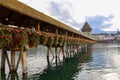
[3, 59]
[22, 58]
[48, 52]
[56, 57]
[24, 63]
[12, 67]
[63, 52]
[66, 50]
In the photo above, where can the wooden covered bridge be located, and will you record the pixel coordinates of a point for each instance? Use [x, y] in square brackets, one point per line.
[22, 28]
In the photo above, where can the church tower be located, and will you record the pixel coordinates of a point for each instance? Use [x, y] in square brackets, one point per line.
[86, 29]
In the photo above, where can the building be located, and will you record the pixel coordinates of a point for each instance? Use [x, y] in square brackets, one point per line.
[117, 35]
[86, 29]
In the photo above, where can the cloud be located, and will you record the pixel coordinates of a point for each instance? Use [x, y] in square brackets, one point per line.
[58, 11]
[100, 21]
[101, 14]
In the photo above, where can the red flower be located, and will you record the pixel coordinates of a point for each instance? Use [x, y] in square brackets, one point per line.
[30, 33]
[40, 33]
[9, 37]
[1, 36]
[48, 35]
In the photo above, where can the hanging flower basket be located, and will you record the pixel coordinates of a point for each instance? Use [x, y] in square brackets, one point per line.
[50, 40]
[11, 38]
[33, 38]
[65, 41]
[61, 40]
[2, 39]
[68, 42]
[56, 38]
[43, 38]
[19, 38]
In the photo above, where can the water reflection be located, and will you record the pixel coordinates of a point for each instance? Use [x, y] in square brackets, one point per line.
[104, 64]
[38, 69]
[101, 63]
[64, 70]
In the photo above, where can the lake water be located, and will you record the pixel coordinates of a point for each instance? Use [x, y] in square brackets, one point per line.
[102, 62]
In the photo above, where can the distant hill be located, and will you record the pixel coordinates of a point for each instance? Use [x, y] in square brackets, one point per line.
[98, 31]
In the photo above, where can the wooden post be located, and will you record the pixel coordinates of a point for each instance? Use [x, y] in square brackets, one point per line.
[52, 53]
[3, 58]
[48, 50]
[66, 34]
[59, 52]
[24, 63]
[38, 26]
[77, 48]
[63, 52]
[12, 61]
[8, 61]
[71, 50]
[56, 54]
[66, 47]
[18, 61]
[66, 51]
[56, 34]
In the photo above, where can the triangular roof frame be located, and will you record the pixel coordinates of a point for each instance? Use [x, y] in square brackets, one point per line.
[86, 27]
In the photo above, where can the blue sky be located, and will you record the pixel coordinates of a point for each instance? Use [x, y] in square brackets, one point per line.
[100, 14]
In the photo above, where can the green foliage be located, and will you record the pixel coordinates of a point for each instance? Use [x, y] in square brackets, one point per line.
[33, 38]
[50, 40]
[43, 38]
[56, 40]
[61, 40]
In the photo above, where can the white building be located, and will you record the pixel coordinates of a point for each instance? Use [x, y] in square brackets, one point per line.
[117, 36]
[104, 37]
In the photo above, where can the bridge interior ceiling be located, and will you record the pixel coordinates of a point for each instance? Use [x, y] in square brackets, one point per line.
[11, 17]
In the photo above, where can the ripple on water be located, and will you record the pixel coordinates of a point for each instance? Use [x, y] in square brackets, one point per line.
[104, 64]
[111, 76]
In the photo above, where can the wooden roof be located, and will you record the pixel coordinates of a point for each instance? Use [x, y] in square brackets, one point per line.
[86, 27]
[23, 9]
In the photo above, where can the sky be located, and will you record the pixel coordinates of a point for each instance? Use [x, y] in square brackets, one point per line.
[100, 14]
